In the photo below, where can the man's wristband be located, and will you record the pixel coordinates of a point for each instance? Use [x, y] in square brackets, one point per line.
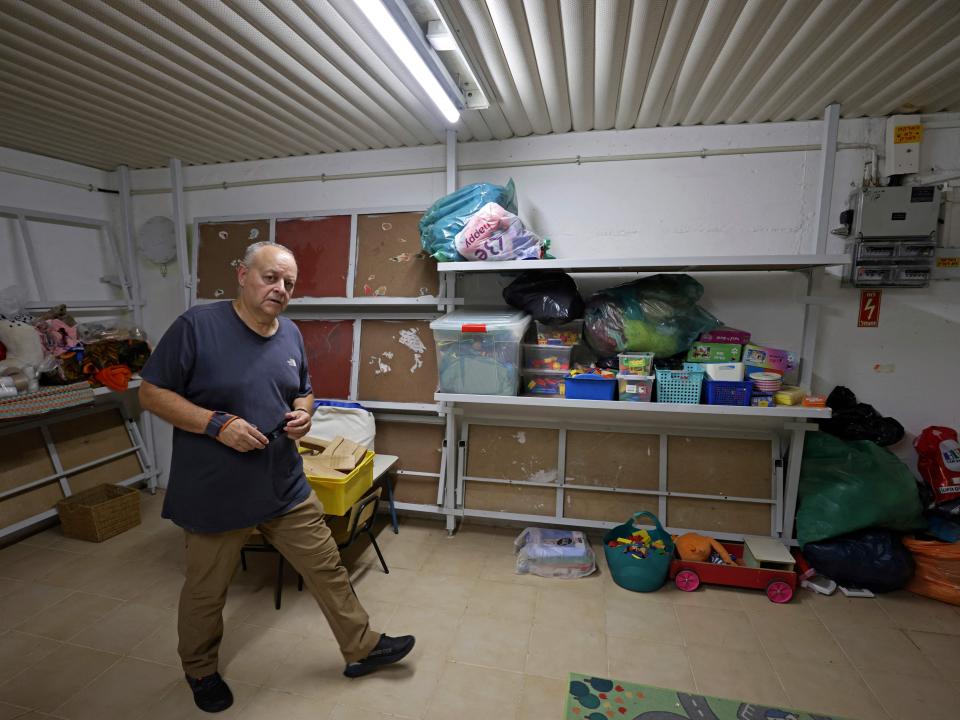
[218, 421]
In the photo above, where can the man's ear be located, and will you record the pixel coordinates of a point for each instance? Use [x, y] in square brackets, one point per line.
[241, 273]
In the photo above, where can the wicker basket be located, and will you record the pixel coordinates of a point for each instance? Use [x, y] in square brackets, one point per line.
[100, 512]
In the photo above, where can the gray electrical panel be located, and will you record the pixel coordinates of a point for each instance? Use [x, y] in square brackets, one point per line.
[894, 235]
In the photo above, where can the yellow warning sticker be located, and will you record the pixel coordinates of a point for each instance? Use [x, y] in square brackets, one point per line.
[903, 134]
[948, 262]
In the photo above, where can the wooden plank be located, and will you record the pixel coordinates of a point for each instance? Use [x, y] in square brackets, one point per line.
[414, 489]
[719, 466]
[23, 459]
[221, 248]
[20, 507]
[329, 348]
[513, 453]
[112, 472]
[398, 362]
[611, 459]
[510, 498]
[87, 438]
[718, 516]
[605, 506]
[419, 446]
[390, 261]
[322, 249]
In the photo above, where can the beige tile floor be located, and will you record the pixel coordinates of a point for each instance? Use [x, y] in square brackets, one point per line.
[88, 631]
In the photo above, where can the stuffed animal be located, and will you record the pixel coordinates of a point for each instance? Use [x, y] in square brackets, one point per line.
[696, 548]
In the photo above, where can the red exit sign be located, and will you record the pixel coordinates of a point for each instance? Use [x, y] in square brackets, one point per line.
[869, 308]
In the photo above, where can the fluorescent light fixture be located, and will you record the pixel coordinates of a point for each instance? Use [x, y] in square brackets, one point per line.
[384, 22]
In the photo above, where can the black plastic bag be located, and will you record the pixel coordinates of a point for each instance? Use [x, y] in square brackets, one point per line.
[874, 559]
[550, 296]
[854, 420]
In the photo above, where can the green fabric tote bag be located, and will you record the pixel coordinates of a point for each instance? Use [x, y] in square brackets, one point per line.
[640, 575]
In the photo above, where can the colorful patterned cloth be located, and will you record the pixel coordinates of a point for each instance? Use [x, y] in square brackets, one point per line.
[45, 400]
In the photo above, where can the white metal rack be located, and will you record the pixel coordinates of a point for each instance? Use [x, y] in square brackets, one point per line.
[785, 425]
[140, 431]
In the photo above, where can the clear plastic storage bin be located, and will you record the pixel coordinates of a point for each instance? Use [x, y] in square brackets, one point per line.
[547, 357]
[566, 334]
[640, 363]
[478, 351]
[544, 383]
[635, 388]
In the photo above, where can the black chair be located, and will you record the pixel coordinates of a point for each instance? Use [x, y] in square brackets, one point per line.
[360, 520]
[264, 546]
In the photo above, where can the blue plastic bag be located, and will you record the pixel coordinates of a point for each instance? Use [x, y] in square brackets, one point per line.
[448, 216]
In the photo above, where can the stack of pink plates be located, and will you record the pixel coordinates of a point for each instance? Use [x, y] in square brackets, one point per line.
[766, 382]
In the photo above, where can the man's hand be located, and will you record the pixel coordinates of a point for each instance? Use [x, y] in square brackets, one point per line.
[242, 436]
[298, 423]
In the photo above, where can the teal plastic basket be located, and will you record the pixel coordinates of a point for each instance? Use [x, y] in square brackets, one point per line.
[645, 575]
[680, 386]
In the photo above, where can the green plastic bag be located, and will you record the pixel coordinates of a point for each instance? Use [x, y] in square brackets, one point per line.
[849, 486]
[640, 575]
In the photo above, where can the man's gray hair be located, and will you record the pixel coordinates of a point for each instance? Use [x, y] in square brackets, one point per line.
[254, 248]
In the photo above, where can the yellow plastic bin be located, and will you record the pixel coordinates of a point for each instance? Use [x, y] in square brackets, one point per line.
[338, 496]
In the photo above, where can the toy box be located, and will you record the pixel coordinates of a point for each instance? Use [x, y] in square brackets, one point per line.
[566, 334]
[726, 335]
[760, 358]
[635, 388]
[547, 357]
[636, 363]
[478, 351]
[714, 352]
[544, 383]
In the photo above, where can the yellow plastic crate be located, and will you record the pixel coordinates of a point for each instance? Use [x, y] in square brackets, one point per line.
[338, 496]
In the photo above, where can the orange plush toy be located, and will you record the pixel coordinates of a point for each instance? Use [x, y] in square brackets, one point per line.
[696, 548]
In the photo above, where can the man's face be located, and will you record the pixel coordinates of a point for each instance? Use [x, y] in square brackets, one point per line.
[268, 283]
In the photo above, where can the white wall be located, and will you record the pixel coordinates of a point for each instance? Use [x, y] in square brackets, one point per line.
[720, 205]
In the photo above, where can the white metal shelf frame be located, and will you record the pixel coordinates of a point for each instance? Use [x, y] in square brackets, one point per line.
[790, 426]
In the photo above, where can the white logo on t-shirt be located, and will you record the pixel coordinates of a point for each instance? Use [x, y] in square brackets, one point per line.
[291, 362]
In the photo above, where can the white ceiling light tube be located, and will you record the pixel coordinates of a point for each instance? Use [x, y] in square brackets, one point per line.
[399, 41]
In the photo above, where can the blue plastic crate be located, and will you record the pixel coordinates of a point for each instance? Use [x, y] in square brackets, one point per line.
[720, 392]
[590, 387]
[680, 386]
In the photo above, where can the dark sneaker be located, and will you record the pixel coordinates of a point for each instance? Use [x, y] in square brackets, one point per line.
[211, 693]
[388, 650]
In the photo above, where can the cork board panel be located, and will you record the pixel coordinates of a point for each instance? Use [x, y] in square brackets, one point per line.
[28, 504]
[23, 459]
[398, 362]
[221, 247]
[418, 445]
[719, 466]
[413, 489]
[390, 261]
[329, 348]
[606, 506]
[523, 499]
[122, 468]
[611, 459]
[718, 516]
[513, 453]
[322, 249]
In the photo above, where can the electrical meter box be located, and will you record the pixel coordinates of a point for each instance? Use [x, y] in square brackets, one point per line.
[896, 212]
[894, 233]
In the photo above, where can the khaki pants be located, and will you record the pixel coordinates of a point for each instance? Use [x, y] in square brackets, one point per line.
[304, 539]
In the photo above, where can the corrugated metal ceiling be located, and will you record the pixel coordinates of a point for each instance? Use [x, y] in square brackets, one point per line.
[136, 82]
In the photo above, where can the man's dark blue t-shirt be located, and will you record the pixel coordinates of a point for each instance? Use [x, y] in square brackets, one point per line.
[211, 358]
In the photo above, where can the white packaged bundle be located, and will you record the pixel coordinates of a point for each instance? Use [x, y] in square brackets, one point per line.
[554, 553]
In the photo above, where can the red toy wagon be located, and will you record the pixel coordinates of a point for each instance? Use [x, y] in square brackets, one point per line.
[777, 579]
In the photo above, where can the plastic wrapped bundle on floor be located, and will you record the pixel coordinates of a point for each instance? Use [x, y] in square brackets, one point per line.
[554, 553]
[657, 314]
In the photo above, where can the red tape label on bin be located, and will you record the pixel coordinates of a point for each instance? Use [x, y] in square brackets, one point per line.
[473, 327]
